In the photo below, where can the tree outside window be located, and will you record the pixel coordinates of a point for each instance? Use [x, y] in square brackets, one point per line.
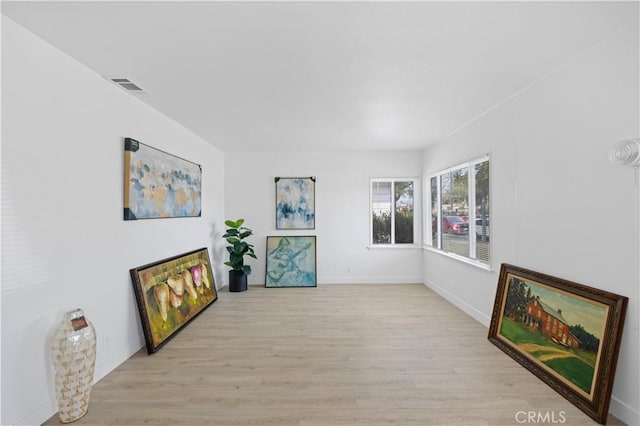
[460, 218]
[392, 211]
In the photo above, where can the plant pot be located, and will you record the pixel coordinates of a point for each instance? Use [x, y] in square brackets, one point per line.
[237, 281]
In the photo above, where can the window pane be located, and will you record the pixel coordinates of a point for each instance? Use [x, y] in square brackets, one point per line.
[483, 225]
[463, 231]
[445, 193]
[403, 193]
[434, 211]
[381, 212]
[445, 201]
[455, 211]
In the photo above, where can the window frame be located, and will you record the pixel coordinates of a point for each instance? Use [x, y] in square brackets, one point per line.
[416, 213]
[428, 235]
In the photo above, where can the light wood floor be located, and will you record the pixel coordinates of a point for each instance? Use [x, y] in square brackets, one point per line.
[332, 355]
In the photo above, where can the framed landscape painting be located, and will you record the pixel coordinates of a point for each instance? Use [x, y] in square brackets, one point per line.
[291, 261]
[172, 292]
[565, 333]
[295, 203]
[158, 184]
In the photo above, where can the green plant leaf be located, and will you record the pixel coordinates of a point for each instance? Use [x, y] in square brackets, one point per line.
[239, 248]
[233, 240]
[236, 247]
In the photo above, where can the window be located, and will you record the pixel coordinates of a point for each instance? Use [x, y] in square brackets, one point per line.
[392, 211]
[458, 210]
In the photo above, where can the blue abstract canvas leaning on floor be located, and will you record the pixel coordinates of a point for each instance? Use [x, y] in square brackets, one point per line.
[291, 261]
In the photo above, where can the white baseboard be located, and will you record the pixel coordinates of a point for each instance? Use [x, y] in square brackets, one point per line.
[623, 412]
[460, 304]
[617, 408]
[50, 407]
[407, 279]
[43, 411]
[108, 365]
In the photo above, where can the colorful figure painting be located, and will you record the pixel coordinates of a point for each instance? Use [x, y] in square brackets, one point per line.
[172, 292]
[291, 261]
[295, 203]
[159, 185]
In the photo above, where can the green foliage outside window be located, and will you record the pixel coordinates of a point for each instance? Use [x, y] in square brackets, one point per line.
[392, 212]
[382, 228]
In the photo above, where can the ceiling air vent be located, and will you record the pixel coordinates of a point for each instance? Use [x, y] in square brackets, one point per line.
[126, 84]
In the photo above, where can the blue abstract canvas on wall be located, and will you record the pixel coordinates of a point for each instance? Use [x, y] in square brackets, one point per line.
[295, 203]
[158, 184]
[291, 261]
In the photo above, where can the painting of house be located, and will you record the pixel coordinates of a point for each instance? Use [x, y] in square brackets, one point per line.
[351, 93]
[550, 322]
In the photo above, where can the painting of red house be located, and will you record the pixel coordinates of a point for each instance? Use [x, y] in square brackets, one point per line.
[550, 322]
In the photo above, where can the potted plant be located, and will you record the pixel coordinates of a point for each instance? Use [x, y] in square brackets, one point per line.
[238, 249]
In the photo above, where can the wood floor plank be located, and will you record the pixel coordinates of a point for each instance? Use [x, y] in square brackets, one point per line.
[331, 355]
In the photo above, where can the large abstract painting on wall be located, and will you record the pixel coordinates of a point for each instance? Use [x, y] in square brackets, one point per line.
[291, 261]
[295, 203]
[158, 184]
[172, 292]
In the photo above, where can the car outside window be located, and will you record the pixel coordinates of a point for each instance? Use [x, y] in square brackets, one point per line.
[457, 200]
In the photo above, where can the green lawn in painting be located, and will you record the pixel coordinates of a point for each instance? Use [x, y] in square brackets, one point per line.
[518, 333]
[575, 370]
[577, 366]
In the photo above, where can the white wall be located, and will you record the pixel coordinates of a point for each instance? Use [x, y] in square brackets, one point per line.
[558, 206]
[65, 244]
[342, 210]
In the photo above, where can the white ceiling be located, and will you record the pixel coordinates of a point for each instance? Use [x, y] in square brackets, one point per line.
[323, 75]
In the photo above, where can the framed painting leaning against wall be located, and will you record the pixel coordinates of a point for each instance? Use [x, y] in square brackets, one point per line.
[565, 333]
[171, 293]
[291, 261]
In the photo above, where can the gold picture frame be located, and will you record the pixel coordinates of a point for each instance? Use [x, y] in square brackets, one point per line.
[565, 333]
[171, 292]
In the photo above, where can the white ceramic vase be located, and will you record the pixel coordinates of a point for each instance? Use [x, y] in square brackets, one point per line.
[73, 354]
